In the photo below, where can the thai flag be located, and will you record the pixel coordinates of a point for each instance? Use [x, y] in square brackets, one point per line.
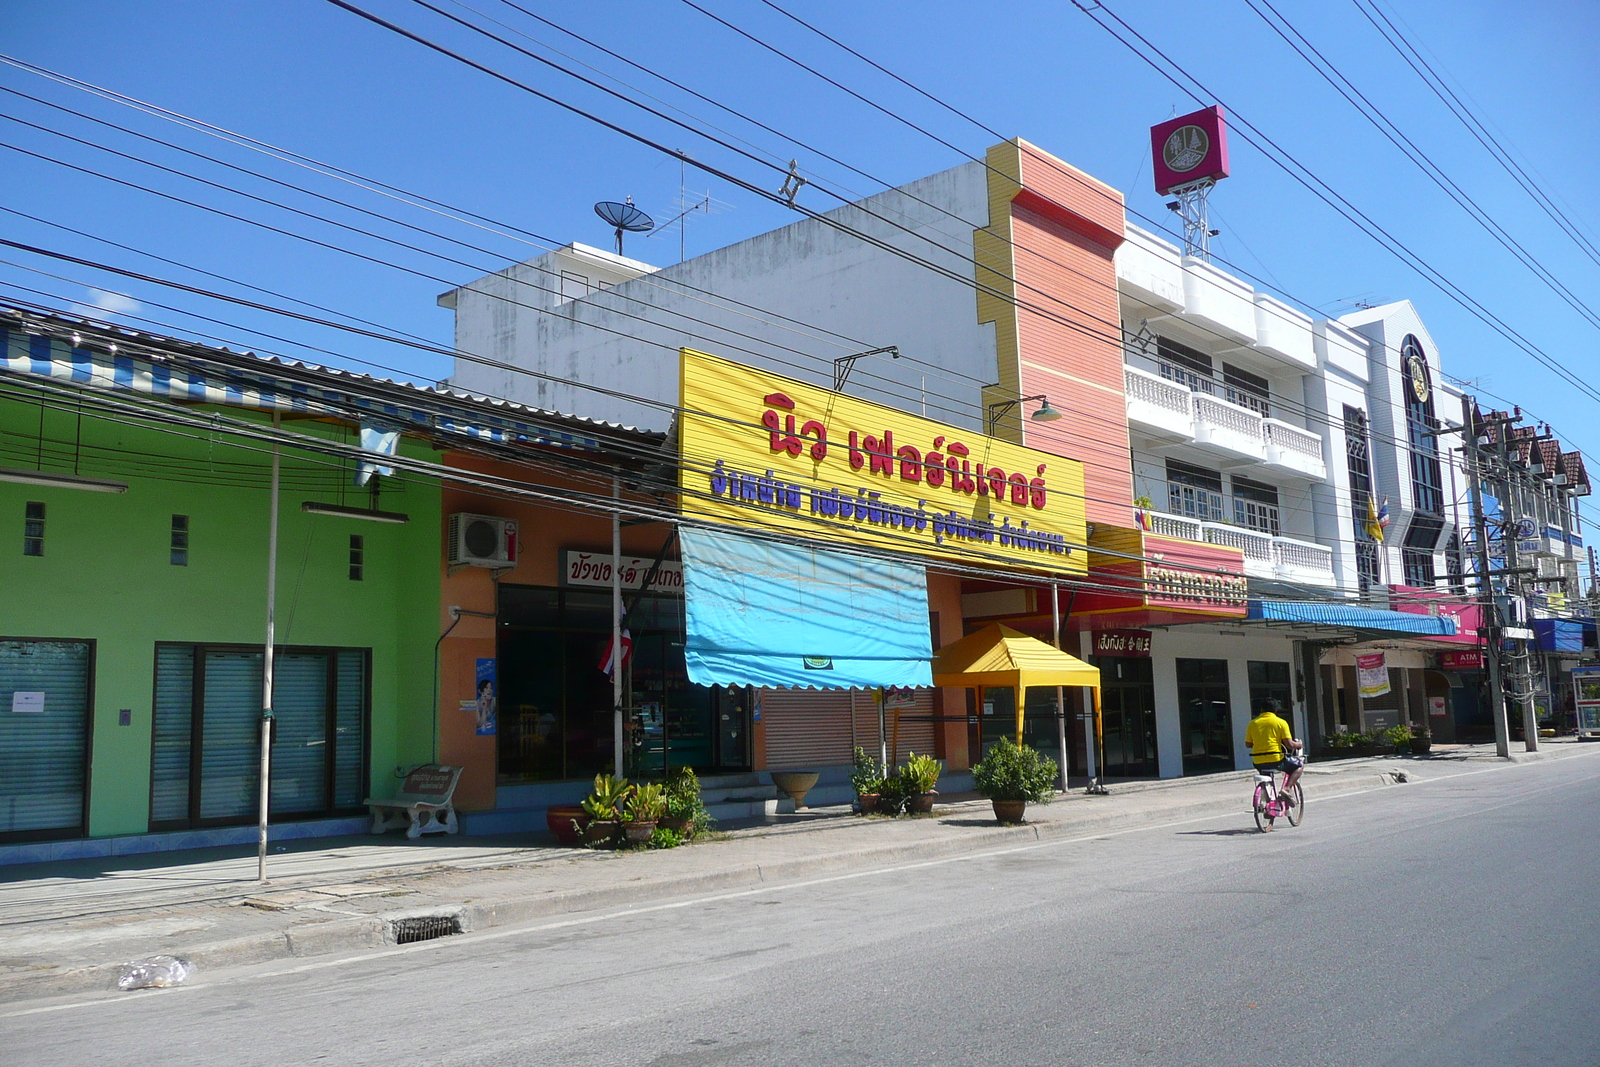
[608, 659]
[1383, 515]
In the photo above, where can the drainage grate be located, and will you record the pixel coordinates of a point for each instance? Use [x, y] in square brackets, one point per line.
[424, 927]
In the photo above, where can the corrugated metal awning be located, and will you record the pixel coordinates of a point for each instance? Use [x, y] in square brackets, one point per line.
[1350, 617]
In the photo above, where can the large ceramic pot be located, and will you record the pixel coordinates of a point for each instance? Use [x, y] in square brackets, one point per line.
[560, 819]
[795, 783]
[921, 804]
[677, 826]
[600, 834]
[1008, 811]
[866, 803]
[1420, 746]
[888, 804]
[638, 833]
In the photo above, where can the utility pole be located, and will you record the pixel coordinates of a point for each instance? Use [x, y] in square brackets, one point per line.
[1490, 606]
[1510, 534]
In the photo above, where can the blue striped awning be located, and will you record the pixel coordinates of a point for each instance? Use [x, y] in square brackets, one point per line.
[1352, 617]
[40, 356]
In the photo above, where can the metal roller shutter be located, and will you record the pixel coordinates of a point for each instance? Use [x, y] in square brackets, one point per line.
[916, 725]
[807, 728]
[171, 734]
[300, 752]
[43, 750]
[230, 762]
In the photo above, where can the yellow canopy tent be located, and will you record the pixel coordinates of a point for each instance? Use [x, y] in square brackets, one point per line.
[999, 657]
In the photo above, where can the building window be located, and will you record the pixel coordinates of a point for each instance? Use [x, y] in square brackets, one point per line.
[1194, 492]
[358, 557]
[1427, 480]
[1416, 553]
[1255, 506]
[1247, 390]
[573, 286]
[33, 529]
[1184, 365]
[179, 552]
[1452, 564]
[1357, 454]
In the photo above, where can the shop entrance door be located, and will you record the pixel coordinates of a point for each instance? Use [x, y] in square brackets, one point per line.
[731, 709]
[1128, 716]
[1206, 716]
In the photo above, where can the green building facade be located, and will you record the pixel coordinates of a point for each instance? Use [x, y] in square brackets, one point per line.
[133, 587]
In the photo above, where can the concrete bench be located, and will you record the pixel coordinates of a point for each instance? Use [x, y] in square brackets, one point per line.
[423, 805]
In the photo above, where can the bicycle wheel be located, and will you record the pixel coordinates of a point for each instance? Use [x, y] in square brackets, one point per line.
[1297, 805]
[1259, 806]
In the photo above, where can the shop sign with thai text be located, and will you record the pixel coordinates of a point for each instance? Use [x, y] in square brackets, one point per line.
[1130, 643]
[1372, 675]
[594, 569]
[770, 453]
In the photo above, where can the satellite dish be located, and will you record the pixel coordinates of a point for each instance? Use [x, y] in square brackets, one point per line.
[625, 217]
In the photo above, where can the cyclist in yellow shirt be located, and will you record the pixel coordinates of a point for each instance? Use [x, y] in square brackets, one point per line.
[1270, 742]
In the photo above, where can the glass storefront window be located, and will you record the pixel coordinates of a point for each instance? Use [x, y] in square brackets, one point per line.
[556, 704]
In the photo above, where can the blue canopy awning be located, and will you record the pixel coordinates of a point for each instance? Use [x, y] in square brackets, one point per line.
[762, 613]
[1350, 616]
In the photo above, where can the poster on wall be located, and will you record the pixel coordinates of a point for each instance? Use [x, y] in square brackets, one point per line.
[1372, 675]
[484, 703]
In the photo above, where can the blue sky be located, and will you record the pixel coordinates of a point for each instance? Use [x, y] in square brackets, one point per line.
[306, 76]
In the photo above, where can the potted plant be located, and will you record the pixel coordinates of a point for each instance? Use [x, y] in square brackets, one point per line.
[866, 779]
[891, 799]
[917, 779]
[604, 808]
[686, 813]
[1010, 775]
[1421, 742]
[567, 822]
[1338, 746]
[643, 810]
[1398, 737]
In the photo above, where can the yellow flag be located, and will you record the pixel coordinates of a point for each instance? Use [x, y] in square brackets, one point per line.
[1374, 528]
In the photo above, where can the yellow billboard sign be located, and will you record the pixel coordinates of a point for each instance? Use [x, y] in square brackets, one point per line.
[767, 452]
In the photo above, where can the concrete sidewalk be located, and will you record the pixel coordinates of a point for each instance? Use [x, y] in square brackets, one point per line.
[66, 927]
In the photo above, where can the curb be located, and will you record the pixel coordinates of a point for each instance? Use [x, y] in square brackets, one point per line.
[341, 935]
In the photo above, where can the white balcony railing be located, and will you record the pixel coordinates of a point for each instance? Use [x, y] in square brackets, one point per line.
[1284, 558]
[1294, 439]
[1184, 529]
[1256, 546]
[1228, 416]
[1303, 555]
[1152, 389]
[1178, 404]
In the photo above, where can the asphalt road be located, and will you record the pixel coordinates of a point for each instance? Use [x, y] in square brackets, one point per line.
[1454, 921]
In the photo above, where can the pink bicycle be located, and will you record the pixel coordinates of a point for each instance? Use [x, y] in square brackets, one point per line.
[1271, 804]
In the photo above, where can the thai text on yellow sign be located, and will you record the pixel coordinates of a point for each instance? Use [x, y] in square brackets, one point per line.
[767, 452]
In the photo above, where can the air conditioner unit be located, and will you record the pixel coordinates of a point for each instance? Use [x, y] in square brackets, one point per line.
[482, 541]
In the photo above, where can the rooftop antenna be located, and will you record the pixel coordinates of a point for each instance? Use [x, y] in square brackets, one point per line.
[625, 217]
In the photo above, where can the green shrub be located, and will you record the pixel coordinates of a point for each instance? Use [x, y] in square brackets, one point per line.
[606, 802]
[919, 775]
[1015, 772]
[664, 838]
[647, 804]
[682, 794]
[866, 777]
[1398, 736]
[1340, 741]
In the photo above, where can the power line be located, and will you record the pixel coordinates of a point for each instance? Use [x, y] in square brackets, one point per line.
[1304, 176]
[1468, 118]
[1386, 126]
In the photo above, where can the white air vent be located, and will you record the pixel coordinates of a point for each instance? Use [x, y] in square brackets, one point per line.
[482, 541]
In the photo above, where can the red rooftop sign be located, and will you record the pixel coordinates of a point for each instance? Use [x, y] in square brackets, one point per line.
[1189, 149]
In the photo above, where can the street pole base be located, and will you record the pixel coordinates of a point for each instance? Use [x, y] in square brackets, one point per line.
[1095, 789]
